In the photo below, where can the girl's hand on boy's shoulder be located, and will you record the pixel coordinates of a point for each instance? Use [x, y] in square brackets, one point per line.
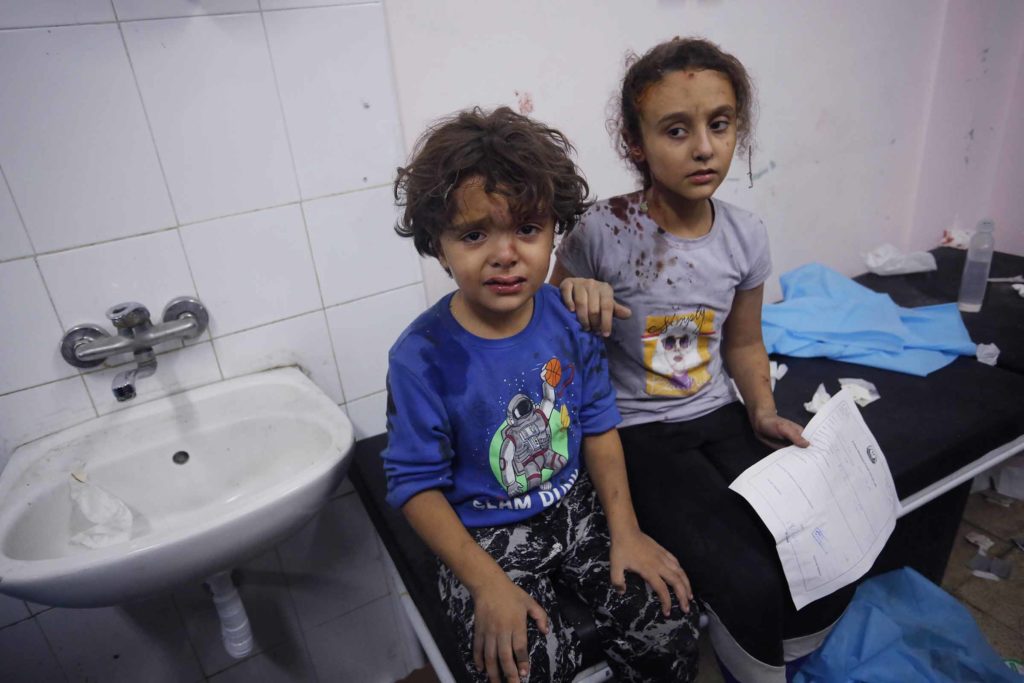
[500, 642]
[593, 302]
[778, 432]
[637, 552]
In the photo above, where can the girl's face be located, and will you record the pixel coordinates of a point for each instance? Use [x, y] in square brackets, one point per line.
[688, 133]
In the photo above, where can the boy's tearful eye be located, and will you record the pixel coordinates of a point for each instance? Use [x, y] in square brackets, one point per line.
[530, 229]
[471, 237]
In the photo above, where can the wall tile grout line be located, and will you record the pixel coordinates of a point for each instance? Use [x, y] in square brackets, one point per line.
[163, 175]
[49, 295]
[302, 208]
[39, 27]
[92, 401]
[368, 296]
[98, 243]
[149, 124]
[21, 218]
[29, 27]
[401, 127]
[37, 386]
[195, 286]
[204, 220]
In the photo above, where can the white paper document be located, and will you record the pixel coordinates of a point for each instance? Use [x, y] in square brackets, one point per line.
[830, 506]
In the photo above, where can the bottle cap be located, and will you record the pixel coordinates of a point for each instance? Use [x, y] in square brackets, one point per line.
[986, 225]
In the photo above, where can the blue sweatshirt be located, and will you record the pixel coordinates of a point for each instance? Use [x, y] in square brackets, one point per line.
[494, 424]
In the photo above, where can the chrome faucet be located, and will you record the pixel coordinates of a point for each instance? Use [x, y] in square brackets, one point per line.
[86, 346]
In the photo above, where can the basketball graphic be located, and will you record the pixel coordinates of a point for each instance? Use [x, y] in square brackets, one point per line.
[553, 372]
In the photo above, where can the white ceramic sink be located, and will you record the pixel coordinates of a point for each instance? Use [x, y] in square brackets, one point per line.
[265, 451]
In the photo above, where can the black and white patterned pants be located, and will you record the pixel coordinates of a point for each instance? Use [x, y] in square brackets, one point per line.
[569, 542]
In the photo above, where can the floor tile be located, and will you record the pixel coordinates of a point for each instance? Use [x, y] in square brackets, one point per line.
[957, 571]
[25, 656]
[12, 611]
[707, 669]
[142, 641]
[267, 603]
[359, 646]
[1002, 600]
[287, 663]
[1006, 523]
[333, 564]
[1005, 641]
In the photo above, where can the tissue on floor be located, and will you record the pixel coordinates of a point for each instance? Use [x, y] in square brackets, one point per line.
[111, 519]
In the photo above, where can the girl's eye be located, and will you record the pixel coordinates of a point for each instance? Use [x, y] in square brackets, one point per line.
[720, 125]
[473, 236]
[676, 132]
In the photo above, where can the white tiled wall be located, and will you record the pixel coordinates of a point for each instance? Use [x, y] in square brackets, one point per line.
[239, 151]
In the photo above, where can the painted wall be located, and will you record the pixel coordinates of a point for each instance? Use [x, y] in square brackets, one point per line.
[848, 134]
[151, 149]
[1007, 199]
[971, 164]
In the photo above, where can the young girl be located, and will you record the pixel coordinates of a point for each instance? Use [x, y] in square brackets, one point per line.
[685, 272]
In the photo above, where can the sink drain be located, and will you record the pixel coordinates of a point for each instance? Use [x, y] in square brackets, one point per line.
[180, 458]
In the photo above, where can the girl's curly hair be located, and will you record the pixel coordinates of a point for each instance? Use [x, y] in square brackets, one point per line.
[678, 54]
[520, 158]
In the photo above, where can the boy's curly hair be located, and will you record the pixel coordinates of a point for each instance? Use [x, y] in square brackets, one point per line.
[678, 54]
[524, 160]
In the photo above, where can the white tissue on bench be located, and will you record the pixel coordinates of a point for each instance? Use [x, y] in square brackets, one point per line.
[818, 400]
[988, 354]
[886, 259]
[111, 518]
[863, 391]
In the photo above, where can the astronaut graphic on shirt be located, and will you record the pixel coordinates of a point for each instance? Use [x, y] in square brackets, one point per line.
[527, 447]
[676, 351]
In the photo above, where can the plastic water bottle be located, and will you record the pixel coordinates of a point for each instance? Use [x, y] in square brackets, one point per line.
[975, 277]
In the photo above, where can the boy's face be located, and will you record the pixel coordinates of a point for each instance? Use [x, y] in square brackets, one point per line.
[498, 261]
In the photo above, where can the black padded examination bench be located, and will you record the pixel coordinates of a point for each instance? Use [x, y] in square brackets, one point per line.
[936, 432]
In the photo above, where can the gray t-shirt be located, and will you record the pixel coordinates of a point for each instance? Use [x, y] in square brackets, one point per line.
[665, 360]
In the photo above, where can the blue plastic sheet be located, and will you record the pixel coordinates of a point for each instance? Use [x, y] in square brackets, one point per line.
[828, 314]
[901, 628]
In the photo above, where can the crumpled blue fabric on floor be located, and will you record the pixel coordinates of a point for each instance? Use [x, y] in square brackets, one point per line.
[828, 314]
[902, 628]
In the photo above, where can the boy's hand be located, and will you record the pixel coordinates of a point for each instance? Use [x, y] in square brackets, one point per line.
[638, 552]
[499, 634]
[777, 432]
[593, 302]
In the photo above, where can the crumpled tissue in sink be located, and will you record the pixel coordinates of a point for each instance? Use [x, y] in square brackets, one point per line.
[111, 519]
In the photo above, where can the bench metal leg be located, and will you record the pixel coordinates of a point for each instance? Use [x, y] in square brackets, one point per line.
[418, 626]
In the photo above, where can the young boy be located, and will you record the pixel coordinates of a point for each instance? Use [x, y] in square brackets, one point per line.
[492, 394]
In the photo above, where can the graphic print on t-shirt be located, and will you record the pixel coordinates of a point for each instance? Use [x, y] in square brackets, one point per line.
[532, 444]
[676, 352]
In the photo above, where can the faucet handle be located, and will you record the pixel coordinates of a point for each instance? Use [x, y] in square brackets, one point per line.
[183, 307]
[128, 315]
